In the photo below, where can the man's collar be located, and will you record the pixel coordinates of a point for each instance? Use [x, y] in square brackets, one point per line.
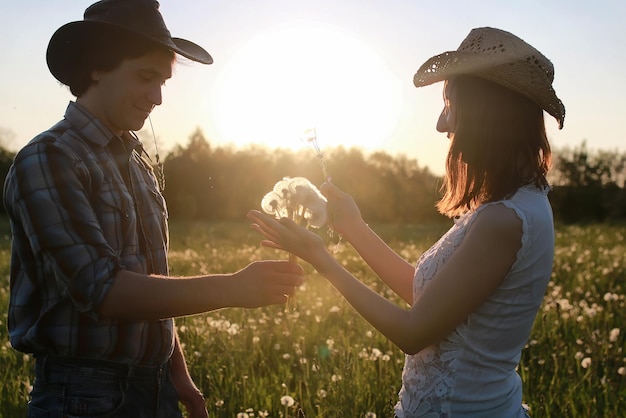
[95, 131]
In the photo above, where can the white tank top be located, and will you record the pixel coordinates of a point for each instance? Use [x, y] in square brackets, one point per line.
[472, 372]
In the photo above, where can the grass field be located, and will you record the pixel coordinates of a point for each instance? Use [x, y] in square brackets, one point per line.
[320, 356]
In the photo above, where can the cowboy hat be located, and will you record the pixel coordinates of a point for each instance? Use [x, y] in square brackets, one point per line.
[502, 58]
[138, 18]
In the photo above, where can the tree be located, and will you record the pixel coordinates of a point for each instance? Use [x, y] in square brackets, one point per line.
[589, 185]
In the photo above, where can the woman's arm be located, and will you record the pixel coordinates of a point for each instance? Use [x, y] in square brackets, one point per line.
[396, 272]
[473, 272]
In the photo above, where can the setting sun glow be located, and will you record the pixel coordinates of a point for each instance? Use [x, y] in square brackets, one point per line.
[306, 75]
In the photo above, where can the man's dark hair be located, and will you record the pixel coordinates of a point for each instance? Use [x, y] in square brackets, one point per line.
[106, 51]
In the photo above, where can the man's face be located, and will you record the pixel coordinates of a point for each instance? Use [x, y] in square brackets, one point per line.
[123, 98]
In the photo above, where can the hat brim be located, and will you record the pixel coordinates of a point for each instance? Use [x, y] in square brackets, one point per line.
[69, 42]
[451, 63]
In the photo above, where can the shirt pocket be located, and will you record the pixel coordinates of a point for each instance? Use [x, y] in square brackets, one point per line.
[115, 209]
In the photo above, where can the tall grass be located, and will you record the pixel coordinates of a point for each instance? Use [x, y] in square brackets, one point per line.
[321, 357]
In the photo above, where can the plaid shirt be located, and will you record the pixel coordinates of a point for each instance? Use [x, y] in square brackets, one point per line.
[82, 208]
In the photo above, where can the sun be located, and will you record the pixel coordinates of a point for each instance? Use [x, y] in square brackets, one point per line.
[305, 75]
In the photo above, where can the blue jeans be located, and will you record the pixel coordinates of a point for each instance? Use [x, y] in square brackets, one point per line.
[73, 388]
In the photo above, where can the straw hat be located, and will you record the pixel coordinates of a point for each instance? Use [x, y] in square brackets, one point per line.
[136, 18]
[503, 58]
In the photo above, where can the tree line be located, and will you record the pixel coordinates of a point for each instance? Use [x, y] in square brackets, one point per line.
[204, 182]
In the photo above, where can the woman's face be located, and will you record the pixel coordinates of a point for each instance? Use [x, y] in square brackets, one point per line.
[447, 118]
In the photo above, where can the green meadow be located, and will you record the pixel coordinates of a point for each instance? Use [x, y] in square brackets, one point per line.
[317, 355]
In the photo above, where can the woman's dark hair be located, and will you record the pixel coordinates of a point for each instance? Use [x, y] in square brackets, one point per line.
[106, 51]
[499, 143]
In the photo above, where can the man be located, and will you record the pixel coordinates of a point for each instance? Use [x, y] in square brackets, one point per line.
[90, 292]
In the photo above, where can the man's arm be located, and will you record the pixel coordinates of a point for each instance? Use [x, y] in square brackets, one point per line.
[139, 296]
[188, 393]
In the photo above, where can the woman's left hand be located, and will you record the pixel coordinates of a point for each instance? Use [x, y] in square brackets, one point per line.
[284, 234]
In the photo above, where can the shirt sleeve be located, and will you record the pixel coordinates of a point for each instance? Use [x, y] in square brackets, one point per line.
[50, 193]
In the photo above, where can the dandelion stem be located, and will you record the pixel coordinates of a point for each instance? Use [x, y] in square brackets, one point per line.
[310, 135]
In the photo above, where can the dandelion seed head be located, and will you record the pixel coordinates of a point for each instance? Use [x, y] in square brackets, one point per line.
[376, 353]
[309, 135]
[316, 215]
[281, 188]
[272, 203]
[586, 362]
[298, 199]
[287, 400]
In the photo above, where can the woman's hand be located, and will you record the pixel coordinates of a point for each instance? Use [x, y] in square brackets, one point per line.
[284, 234]
[344, 214]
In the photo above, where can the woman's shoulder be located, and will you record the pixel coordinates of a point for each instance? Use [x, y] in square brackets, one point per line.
[497, 221]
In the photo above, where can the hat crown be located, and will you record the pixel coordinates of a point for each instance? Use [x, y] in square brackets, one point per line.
[139, 19]
[505, 48]
[140, 16]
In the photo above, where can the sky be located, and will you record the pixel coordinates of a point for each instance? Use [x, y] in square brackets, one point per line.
[341, 67]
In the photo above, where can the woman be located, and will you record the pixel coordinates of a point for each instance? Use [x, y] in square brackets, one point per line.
[474, 294]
